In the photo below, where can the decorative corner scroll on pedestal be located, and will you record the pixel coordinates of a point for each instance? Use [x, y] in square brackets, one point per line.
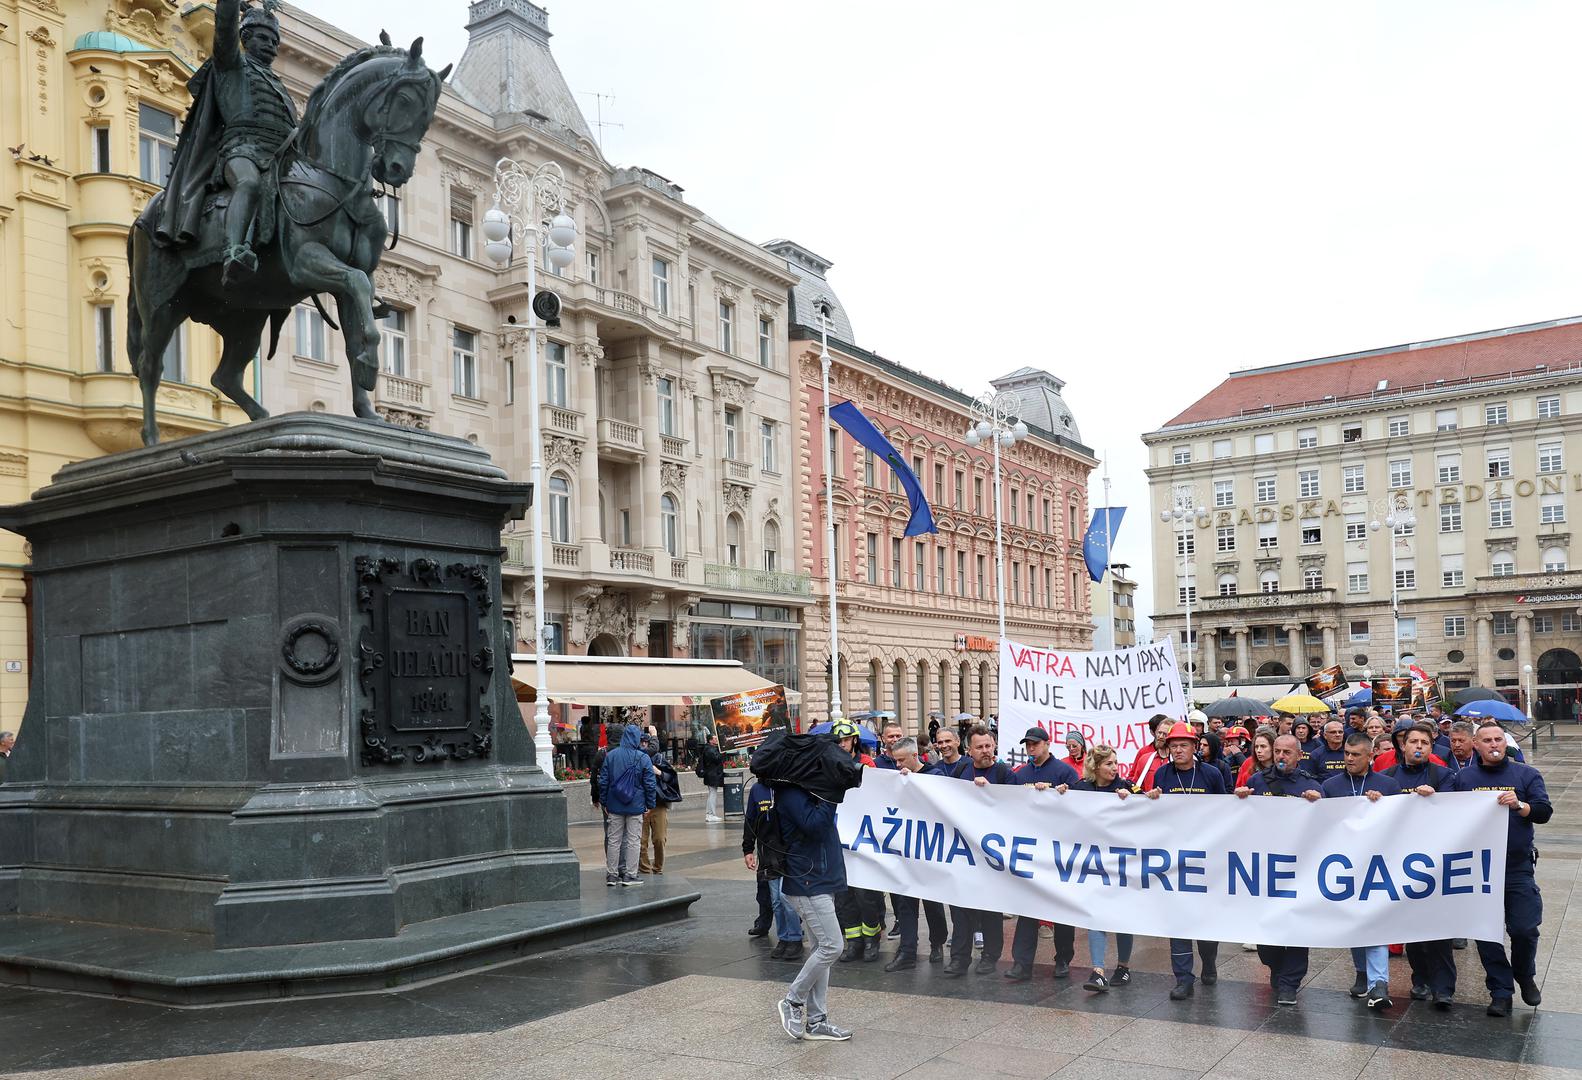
[424, 660]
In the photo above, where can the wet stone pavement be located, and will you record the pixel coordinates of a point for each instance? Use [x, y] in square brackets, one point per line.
[696, 999]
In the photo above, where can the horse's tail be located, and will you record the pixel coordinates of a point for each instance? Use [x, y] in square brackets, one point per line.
[134, 318]
[277, 319]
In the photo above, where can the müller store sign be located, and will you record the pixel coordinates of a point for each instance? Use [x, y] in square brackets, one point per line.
[1308, 509]
[974, 643]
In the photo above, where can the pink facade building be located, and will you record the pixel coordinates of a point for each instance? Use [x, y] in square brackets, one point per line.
[918, 626]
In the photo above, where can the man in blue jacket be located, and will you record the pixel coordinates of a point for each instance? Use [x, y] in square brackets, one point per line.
[1287, 964]
[627, 790]
[982, 769]
[1042, 770]
[815, 870]
[1523, 793]
[1358, 780]
[1329, 758]
[1184, 774]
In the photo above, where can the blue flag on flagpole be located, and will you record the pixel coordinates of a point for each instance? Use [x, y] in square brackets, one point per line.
[1096, 542]
[868, 435]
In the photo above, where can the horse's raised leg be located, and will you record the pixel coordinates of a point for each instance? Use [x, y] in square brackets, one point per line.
[319, 270]
[241, 334]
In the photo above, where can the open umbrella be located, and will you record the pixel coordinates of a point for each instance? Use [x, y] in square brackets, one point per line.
[867, 737]
[1475, 693]
[1501, 710]
[1361, 697]
[1299, 705]
[1236, 707]
[965, 716]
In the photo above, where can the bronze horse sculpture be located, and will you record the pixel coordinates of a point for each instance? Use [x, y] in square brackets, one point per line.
[320, 231]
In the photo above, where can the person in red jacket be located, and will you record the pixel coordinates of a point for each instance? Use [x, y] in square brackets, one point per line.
[1392, 757]
[1262, 756]
[1076, 751]
[1150, 757]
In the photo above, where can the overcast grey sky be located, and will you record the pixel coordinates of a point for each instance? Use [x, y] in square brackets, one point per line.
[1139, 197]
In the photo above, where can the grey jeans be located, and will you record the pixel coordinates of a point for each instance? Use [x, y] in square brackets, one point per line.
[622, 835]
[810, 988]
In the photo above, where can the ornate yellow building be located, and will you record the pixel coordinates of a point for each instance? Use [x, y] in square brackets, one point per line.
[91, 96]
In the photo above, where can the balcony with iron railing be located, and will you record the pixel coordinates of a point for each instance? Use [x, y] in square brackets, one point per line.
[746, 579]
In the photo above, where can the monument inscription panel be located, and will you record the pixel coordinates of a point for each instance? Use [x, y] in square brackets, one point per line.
[424, 661]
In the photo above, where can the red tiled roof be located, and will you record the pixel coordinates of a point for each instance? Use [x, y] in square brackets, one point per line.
[1356, 375]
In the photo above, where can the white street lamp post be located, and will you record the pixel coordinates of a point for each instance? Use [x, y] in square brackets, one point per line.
[1400, 518]
[835, 712]
[997, 424]
[1185, 516]
[522, 198]
[1527, 677]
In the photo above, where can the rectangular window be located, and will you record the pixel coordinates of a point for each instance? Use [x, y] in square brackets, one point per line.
[918, 565]
[1548, 407]
[461, 224]
[1552, 509]
[1570, 621]
[1185, 593]
[1357, 577]
[1359, 630]
[1449, 468]
[869, 469]
[1263, 444]
[661, 285]
[961, 573]
[982, 564]
[393, 342]
[508, 376]
[1227, 586]
[1543, 624]
[156, 143]
[104, 336]
[1312, 578]
[1016, 581]
[1351, 433]
[1499, 513]
[1503, 564]
[733, 434]
[175, 359]
[1449, 517]
[977, 495]
[1264, 489]
[1270, 582]
[939, 485]
[1400, 426]
[769, 442]
[310, 333]
[1408, 628]
[1451, 573]
[1504, 624]
[1352, 480]
[895, 562]
[1307, 483]
[1499, 462]
[1224, 493]
[1306, 438]
[665, 388]
[1405, 575]
[1186, 543]
[1356, 527]
[961, 489]
[1554, 561]
[101, 148]
[1225, 538]
[1401, 473]
[766, 343]
[1551, 457]
[1222, 448]
[390, 209]
[1046, 515]
[727, 327]
[1012, 505]
[1445, 420]
[1049, 587]
[590, 262]
[834, 450]
[1455, 626]
[873, 558]
[1312, 533]
[1496, 414]
[1181, 455]
[1268, 535]
[463, 362]
[939, 571]
[556, 390]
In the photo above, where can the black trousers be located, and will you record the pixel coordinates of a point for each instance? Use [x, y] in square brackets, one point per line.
[1024, 943]
[860, 911]
[964, 922]
[766, 907]
[1433, 965]
[1287, 965]
[905, 908]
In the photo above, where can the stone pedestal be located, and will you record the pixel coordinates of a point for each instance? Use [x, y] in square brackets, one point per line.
[271, 700]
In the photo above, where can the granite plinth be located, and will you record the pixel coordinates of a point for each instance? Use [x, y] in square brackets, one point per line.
[186, 970]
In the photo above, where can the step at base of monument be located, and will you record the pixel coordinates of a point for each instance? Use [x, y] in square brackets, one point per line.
[186, 970]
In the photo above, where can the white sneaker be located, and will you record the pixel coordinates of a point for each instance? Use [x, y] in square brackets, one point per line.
[792, 1018]
[977, 941]
[824, 1031]
[712, 820]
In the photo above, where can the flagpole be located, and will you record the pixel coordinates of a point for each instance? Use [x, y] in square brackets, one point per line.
[1109, 549]
[835, 712]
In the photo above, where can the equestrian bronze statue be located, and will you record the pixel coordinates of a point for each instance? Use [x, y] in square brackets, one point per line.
[262, 211]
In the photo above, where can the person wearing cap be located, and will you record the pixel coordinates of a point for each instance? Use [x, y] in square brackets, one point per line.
[1234, 740]
[1331, 757]
[1358, 780]
[1287, 964]
[1042, 771]
[1197, 719]
[1186, 775]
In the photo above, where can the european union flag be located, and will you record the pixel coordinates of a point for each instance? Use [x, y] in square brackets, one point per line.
[1096, 542]
[867, 434]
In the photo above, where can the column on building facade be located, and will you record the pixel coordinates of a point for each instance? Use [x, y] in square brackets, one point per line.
[1207, 662]
[1331, 656]
[1295, 660]
[589, 527]
[1243, 656]
[1524, 648]
[1485, 650]
[648, 369]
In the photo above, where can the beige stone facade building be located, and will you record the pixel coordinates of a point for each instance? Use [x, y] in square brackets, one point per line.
[918, 626]
[1474, 441]
[1114, 624]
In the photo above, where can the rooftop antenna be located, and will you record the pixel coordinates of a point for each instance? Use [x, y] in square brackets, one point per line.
[599, 122]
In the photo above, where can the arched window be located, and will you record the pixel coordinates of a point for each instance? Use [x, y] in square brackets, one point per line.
[771, 545]
[875, 674]
[944, 690]
[922, 696]
[1503, 564]
[559, 509]
[1269, 581]
[1554, 560]
[984, 708]
[1312, 578]
[669, 527]
[733, 541]
[1227, 584]
[898, 691]
[963, 700]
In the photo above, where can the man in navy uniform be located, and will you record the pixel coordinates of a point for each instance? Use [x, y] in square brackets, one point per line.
[1522, 791]
[1358, 780]
[982, 769]
[1043, 770]
[1184, 774]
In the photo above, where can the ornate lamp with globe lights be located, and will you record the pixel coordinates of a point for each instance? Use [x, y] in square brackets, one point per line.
[523, 201]
[997, 425]
[1185, 515]
[1399, 521]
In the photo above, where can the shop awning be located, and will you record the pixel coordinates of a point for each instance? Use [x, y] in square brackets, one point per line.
[629, 680]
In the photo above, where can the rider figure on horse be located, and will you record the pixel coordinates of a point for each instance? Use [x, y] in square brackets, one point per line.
[241, 116]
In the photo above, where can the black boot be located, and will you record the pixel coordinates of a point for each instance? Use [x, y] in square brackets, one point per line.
[758, 929]
[1360, 986]
[1530, 993]
[793, 950]
[902, 962]
[870, 949]
[852, 952]
[957, 968]
[1499, 1007]
[936, 954]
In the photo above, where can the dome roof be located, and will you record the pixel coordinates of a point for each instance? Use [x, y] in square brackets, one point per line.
[1034, 397]
[813, 290]
[110, 41]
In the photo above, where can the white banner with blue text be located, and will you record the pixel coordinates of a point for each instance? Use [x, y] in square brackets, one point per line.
[1280, 871]
[1107, 696]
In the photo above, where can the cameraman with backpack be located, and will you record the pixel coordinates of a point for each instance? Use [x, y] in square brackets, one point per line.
[627, 791]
